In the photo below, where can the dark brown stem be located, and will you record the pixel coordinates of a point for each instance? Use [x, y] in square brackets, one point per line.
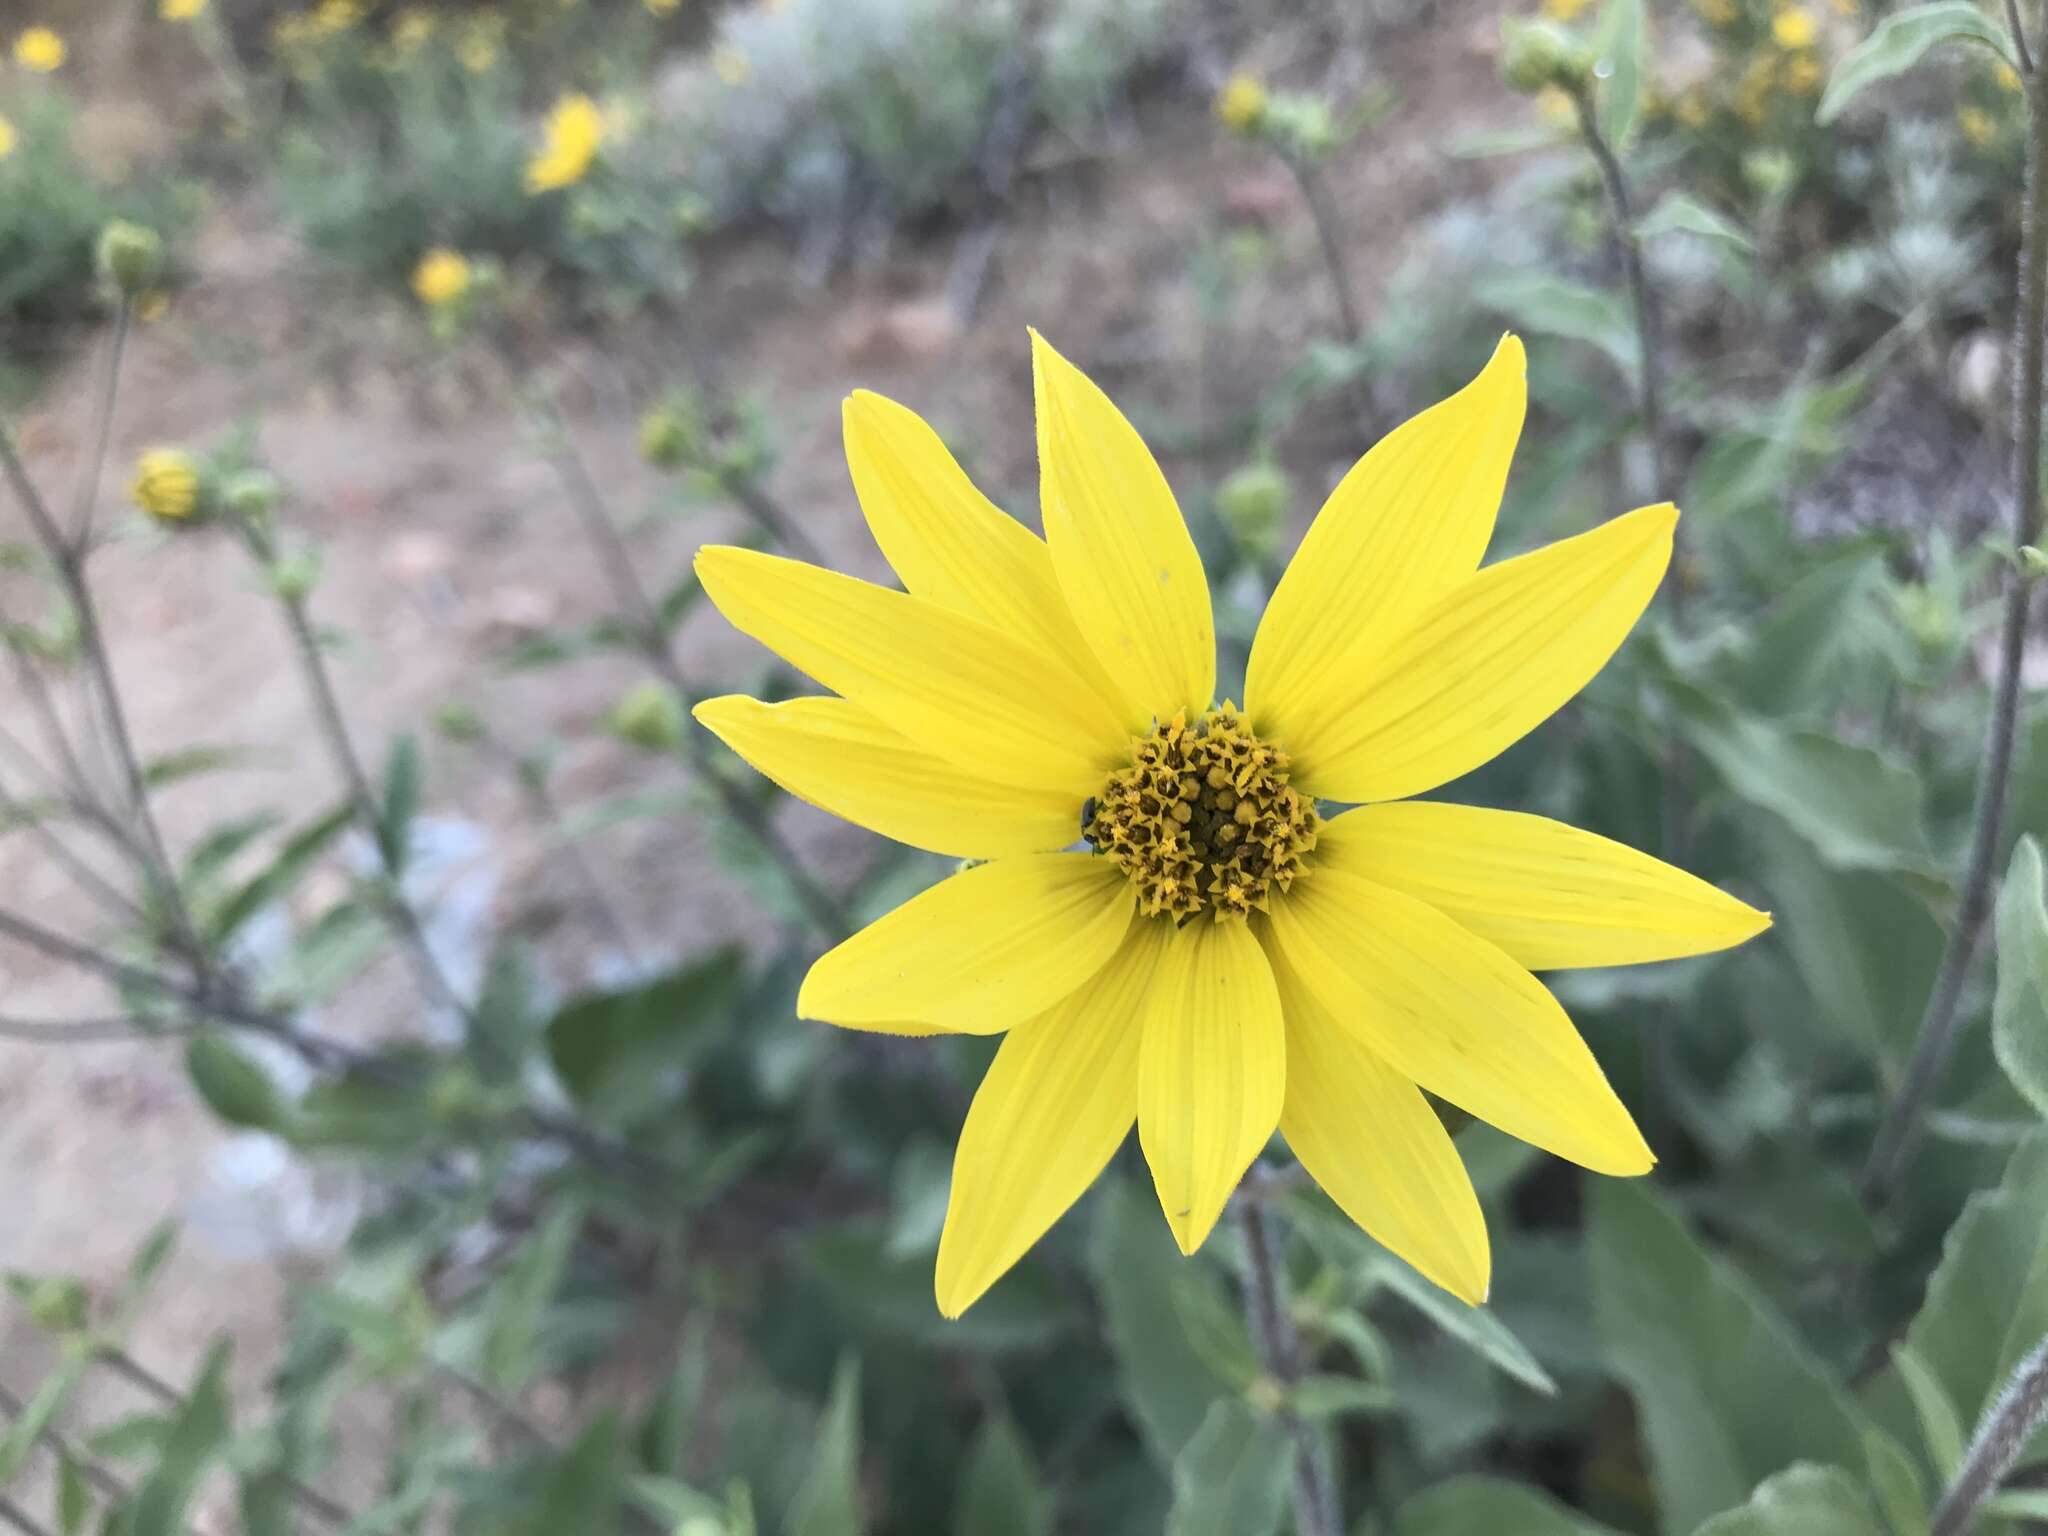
[1315, 1498]
[1893, 1147]
[1322, 213]
[2010, 1421]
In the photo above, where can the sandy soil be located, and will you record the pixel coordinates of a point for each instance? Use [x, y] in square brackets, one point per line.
[442, 536]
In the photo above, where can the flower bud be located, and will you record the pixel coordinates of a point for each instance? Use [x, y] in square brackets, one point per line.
[649, 715]
[1253, 504]
[1242, 103]
[56, 1304]
[459, 723]
[665, 437]
[168, 485]
[294, 576]
[250, 494]
[1536, 54]
[130, 256]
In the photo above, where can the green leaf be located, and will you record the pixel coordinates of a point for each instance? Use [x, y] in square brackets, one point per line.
[668, 1429]
[189, 762]
[581, 1492]
[1726, 1391]
[1676, 213]
[1857, 807]
[1940, 1426]
[1488, 1506]
[889, 1296]
[1895, 1478]
[1804, 1500]
[1618, 46]
[512, 1319]
[673, 1501]
[2019, 1012]
[828, 1503]
[1327, 1397]
[36, 1415]
[1162, 1377]
[284, 872]
[233, 1085]
[1901, 40]
[1987, 1303]
[2019, 1504]
[1231, 1478]
[197, 1438]
[74, 1497]
[1001, 1493]
[625, 1055]
[400, 802]
[1555, 306]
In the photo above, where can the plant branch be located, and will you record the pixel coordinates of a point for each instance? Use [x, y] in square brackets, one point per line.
[2019, 1409]
[21, 1520]
[109, 1485]
[1322, 213]
[1897, 1135]
[103, 426]
[1315, 1497]
[2019, 37]
[631, 594]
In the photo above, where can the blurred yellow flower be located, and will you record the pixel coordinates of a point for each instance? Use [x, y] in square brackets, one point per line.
[575, 128]
[662, 7]
[1221, 962]
[413, 28]
[1691, 109]
[1565, 10]
[166, 484]
[39, 49]
[1554, 105]
[1976, 125]
[2006, 76]
[1794, 27]
[731, 66]
[1849, 8]
[1801, 74]
[331, 17]
[441, 277]
[8, 138]
[478, 50]
[152, 306]
[1241, 102]
[180, 10]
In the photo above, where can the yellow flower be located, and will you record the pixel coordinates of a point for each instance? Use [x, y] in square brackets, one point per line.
[331, 17]
[1224, 962]
[1241, 102]
[574, 130]
[152, 306]
[1794, 27]
[1565, 10]
[477, 51]
[1976, 125]
[166, 484]
[2007, 78]
[39, 49]
[1801, 73]
[412, 29]
[662, 7]
[731, 66]
[1554, 106]
[441, 277]
[180, 10]
[1691, 109]
[8, 138]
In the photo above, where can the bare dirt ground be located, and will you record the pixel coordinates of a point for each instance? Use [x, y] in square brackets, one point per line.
[443, 534]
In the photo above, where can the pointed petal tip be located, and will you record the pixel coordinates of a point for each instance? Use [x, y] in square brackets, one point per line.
[1509, 352]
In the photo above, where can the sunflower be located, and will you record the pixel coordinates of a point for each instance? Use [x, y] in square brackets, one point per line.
[570, 139]
[1161, 922]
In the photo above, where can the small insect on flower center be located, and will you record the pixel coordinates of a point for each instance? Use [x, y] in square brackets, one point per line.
[1203, 819]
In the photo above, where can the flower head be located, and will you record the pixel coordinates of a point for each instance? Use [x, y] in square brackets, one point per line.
[2005, 76]
[1977, 126]
[442, 277]
[9, 138]
[662, 7]
[1216, 958]
[574, 130]
[180, 10]
[1242, 102]
[39, 49]
[732, 66]
[1565, 10]
[1793, 27]
[477, 51]
[166, 484]
[413, 28]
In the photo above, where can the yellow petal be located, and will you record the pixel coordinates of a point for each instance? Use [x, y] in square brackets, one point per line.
[1455, 1014]
[1212, 1072]
[837, 756]
[1550, 895]
[985, 949]
[1058, 1101]
[1371, 1140]
[978, 698]
[1483, 665]
[1409, 522]
[950, 544]
[1125, 561]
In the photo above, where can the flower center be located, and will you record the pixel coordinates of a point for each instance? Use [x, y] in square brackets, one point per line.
[1203, 818]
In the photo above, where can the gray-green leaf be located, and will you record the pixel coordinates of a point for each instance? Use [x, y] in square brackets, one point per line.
[1901, 40]
[1231, 1479]
[2019, 1014]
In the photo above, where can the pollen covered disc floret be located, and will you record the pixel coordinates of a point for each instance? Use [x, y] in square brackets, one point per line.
[1204, 819]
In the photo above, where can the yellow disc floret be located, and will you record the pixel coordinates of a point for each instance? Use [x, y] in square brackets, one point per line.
[1203, 819]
